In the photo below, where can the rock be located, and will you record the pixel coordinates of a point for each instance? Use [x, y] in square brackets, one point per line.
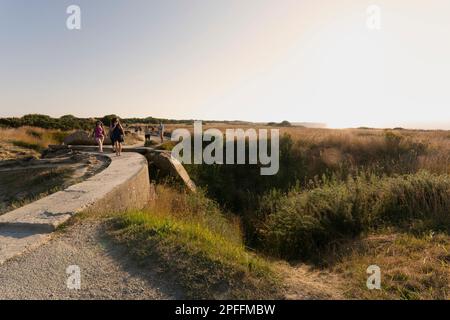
[165, 162]
[79, 138]
[58, 147]
[83, 138]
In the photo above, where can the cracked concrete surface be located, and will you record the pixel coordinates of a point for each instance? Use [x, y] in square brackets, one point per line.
[121, 186]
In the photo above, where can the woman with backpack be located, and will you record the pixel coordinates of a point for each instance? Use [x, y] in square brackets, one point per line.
[117, 135]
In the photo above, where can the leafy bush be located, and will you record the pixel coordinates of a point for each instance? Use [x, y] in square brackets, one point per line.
[302, 222]
[67, 122]
[70, 122]
[238, 187]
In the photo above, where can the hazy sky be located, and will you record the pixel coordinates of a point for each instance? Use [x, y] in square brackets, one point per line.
[260, 60]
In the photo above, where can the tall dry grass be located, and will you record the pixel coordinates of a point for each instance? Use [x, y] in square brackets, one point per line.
[430, 149]
[31, 137]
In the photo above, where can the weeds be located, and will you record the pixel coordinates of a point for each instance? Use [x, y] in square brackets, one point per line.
[197, 245]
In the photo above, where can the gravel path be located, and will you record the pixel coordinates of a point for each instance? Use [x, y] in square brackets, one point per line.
[106, 271]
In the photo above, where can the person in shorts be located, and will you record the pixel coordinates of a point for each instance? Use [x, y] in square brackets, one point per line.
[117, 135]
[99, 135]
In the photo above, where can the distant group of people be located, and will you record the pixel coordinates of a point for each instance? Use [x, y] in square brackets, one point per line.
[117, 134]
[150, 131]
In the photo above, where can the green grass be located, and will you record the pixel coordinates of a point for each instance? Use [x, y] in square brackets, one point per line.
[198, 246]
[150, 143]
[59, 136]
[27, 145]
[167, 146]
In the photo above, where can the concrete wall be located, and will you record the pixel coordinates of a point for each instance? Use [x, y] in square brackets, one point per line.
[158, 158]
[164, 162]
[123, 185]
[135, 193]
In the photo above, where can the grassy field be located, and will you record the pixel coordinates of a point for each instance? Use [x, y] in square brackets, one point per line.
[31, 141]
[342, 200]
[413, 267]
[338, 191]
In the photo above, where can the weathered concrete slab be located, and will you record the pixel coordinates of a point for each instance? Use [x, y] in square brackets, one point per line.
[108, 148]
[52, 211]
[165, 162]
[123, 185]
[161, 159]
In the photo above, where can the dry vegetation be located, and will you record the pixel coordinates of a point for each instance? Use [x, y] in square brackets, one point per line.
[343, 200]
[336, 145]
[27, 141]
[31, 141]
[337, 194]
[412, 266]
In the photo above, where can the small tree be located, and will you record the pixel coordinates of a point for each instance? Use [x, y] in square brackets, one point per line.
[285, 123]
[108, 119]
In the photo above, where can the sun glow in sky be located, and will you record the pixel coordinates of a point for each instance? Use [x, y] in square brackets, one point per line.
[257, 60]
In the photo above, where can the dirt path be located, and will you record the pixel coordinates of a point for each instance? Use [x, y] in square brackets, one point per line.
[106, 271]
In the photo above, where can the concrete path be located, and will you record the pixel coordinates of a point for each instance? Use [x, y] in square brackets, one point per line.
[106, 270]
[34, 257]
[123, 185]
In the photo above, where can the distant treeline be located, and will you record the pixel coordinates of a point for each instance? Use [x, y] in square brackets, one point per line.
[70, 122]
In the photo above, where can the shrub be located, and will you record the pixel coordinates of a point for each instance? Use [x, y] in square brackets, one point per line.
[303, 222]
[238, 187]
[422, 198]
[150, 143]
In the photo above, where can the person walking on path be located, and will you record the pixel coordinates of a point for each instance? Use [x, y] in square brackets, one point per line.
[111, 128]
[148, 133]
[161, 131]
[99, 135]
[117, 135]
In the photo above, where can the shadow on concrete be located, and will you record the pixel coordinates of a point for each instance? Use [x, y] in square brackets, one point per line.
[20, 230]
